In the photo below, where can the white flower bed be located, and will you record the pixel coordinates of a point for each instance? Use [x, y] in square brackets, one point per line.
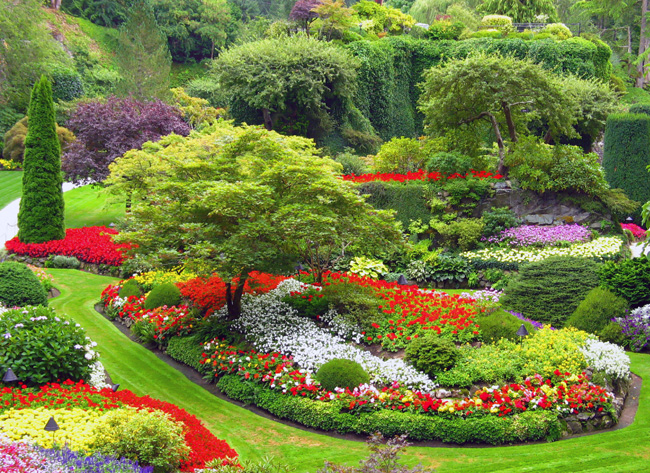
[607, 357]
[271, 325]
[603, 248]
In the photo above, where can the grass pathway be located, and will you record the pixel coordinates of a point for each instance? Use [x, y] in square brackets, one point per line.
[137, 369]
[11, 183]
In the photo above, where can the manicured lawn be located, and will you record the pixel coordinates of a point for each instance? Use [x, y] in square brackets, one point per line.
[137, 369]
[11, 183]
[89, 206]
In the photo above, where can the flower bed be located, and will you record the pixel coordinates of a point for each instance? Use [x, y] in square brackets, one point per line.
[636, 230]
[533, 235]
[89, 244]
[419, 175]
[600, 249]
[70, 401]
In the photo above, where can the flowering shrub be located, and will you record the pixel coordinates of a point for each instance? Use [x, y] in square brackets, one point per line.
[607, 357]
[46, 279]
[600, 249]
[636, 230]
[636, 327]
[89, 244]
[419, 175]
[533, 235]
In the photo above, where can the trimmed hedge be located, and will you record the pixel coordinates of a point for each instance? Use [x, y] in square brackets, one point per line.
[186, 350]
[163, 295]
[531, 425]
[627, 153]
[19, 286]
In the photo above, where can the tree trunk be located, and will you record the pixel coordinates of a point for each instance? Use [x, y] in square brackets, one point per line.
[212, 51]
[268, 123]
[128, 202]
[56, 4]
[502, 169]
[512, 130]
[233, 301]
[643, 44]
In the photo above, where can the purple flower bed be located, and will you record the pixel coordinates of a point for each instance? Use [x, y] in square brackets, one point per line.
[636, 327]
[532, 235]
[534, 323]
[95, 463]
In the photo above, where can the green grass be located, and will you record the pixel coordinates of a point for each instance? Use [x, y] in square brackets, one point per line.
[137, 369]
[636, 95]
[11, 183]
[87, 206]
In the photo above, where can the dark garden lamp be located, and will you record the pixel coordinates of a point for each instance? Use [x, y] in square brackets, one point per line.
[115, 387]
[522, 332]
[298, 268]
[9, 377]
[51, 426]
[401, 280]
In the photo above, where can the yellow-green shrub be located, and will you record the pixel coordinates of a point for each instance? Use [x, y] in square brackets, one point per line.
[154, 278]
[547, 350]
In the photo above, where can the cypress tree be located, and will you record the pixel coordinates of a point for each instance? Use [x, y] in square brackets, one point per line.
[41, 216]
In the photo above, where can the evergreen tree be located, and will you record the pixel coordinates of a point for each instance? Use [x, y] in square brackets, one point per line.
[41, 216]
[143, 57]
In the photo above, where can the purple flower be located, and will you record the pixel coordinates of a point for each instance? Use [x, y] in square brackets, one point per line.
[533, 235]
[534, 323]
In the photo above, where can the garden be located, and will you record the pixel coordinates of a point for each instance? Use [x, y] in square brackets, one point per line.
[324, 239]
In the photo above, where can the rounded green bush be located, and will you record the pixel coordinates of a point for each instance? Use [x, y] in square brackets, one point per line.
[339, 373]
[549, 291]
[629, 279]
[432, 354]
[22, 347]
[165, 294]
[500, 325]
[355, 304]
[60, 261]
[130, 288]
[612, 333]
[597, 310]
[19, 286]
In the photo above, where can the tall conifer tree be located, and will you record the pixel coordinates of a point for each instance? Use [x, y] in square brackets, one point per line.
[41, 216]
[143, 57]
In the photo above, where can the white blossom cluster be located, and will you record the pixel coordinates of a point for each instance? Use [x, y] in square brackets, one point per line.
[97, 377]
[272, 325]
[607, 357]
[340, 326]
[642, 312]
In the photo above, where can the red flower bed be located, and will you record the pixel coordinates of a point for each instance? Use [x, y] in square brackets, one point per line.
[203, 444]
[210, 294]
[89, 244]
[636, 230]
[419, 175]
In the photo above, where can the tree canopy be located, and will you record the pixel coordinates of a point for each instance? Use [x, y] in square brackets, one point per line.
[506, 92]
[522, 11]
[236, 199]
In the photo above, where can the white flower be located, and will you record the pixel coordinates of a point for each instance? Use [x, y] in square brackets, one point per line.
[607, 357]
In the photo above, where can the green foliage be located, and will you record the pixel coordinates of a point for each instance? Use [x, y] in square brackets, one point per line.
[408, 199]
[352, 164]
[164, 294]
[265, 465]
[340, 373]
[498, 219]
[432, 354]
[66, 83]
[41, 216]
[629, 279]
[310, 303]
[627, 154]
[460, 234]
[130, 288]
[355, 304]
[187, 350]
[367, 267]
[41, 348]
[213, 327]
[597, 310]
[540, 167]
[445, 30]
[501, 324]
[400, 155]
[521, 12]
[640, 108]
[549, 291]
[143, 56]
[19, 286]
[496, 20]
[445, 269]
[14, 140]
[449, 163]
[559, 30]
[60, 261]
[466, 193]
[612, 333]
[151, 438]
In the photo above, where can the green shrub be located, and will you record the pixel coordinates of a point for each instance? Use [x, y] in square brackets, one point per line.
[356, 304]
[352, 164]
[460, 234]
[130, 288]
[400, 155]
[549, 291]
[14, 140]
[213, 327]
[308, 303]
[164, 294]
[43, 346]
[597, 310]
[640, 108]
[498, 219]
[445, 30]
[501, 324]
[432, 354]
[62, 262]
[19, 286]
[559, 30]
[340, 373]
[627, 154]
[466, 193]
[496, 20]
[612, 333]
[151, 438]
[629, 279]
[66, 83]
[187, 350]
[449, 163]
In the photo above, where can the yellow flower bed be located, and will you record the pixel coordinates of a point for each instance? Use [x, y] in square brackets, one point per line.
[547, 350]
[602, 248]
[154, 278]
[77, 426]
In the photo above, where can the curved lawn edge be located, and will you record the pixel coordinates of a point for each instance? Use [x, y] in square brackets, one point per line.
[139, 370]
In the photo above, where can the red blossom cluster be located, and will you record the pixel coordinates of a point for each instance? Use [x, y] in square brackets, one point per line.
[419, 175]
[89, 244]
[209, 294]
[636, 230]
[203, 444]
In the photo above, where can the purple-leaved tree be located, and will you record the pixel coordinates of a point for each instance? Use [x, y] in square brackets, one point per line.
[106, 129]
[302, 12]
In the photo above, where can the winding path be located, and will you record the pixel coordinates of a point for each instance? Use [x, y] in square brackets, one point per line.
[138, 369]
